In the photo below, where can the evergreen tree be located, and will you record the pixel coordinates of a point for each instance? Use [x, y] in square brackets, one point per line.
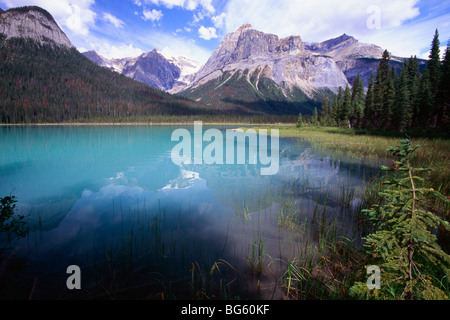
[346, 109]
[443, 96]
[434, 64]
[401, 116]
[388, 101]
[358, 98]
[403, 244]
[414, 79]
[337, 107]
[300, 121]
[369, 112]
[425, 101]
[325, 114]
[315, 118]
[382, 91]
[332, 112]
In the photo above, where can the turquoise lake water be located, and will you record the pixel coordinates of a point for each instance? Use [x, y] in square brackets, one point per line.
[110, 200]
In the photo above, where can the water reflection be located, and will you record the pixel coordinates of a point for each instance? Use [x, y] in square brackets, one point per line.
[110, 199]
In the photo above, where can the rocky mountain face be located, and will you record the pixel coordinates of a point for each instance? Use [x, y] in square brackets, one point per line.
[286, 62]
[151, 68]
[34, 23]
[282, 70]
[352, 57]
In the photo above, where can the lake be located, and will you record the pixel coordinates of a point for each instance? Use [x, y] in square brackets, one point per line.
[111, 200]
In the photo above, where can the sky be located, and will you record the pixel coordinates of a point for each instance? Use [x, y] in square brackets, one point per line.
[194, 28]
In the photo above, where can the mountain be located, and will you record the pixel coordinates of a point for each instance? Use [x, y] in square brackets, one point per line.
[34, 23]
[353, 57]
[256, 71]
[188, 69]
[251, 68]
[151, 68]
[43, 78]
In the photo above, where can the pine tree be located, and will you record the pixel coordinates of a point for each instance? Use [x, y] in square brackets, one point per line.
[388, 101]
[443, 96]
[337, 107]
[332, 112]
[358, 98]
[401, 116]
[403, 244]
[425, 101]
[369, 112]
[414, 79]
[346, 109]
[382, 90]
[434, 66]
[315, 118]
[325, 114]
[300, 121]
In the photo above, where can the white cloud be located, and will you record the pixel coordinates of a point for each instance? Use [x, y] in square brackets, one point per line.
[115, 51]
[153, 15]
[197, 18]
[207, 33]
[190, 5]
[118, 23]
[404, 30]
[411, 39]
[75, 16]
[316, 20]
[219, 20]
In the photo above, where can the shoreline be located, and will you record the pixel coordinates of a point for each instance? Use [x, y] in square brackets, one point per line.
[140, 124]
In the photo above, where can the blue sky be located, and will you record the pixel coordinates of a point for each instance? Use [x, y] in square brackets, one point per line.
[194, 28]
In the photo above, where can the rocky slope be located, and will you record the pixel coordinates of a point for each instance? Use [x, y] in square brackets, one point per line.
[34, 23]
[251, 68]
[352, 57]
[283, 61]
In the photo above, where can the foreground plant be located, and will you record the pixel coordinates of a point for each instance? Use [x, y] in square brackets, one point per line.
[12, 225]
[404, 246]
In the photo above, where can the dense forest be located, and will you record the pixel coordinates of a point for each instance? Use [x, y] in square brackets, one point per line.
[48, 83]
[406, 101]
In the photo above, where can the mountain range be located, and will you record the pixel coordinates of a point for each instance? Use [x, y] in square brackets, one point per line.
[253, 71]
[249, 72]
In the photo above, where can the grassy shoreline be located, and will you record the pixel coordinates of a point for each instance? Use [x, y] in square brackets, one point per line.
[434, 153]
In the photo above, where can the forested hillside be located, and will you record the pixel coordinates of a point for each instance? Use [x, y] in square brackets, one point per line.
[50, 83]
